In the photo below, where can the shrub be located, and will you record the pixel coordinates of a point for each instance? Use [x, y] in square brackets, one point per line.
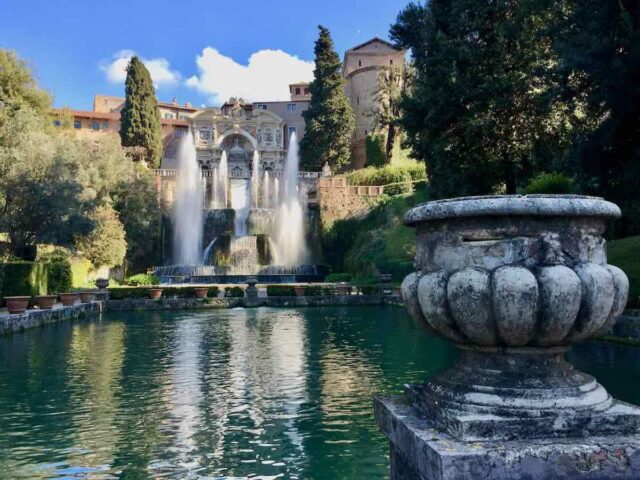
[142, 279]
[338, 277]
[396, 178]
[213, 292]
[550, 183]
[25, 278]
[281, 291]
[316, 291]
[234, 292]
[59, 277]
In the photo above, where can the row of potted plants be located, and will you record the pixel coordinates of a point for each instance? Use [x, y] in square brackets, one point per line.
[19, 304]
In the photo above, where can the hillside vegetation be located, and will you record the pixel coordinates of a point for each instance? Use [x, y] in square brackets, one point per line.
[378, 243]
[625, 253]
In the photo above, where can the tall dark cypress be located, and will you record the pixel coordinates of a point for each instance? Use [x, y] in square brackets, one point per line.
[140, 117]
[329, 119]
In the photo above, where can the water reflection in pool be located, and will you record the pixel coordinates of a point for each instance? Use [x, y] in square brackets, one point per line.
[223, 394]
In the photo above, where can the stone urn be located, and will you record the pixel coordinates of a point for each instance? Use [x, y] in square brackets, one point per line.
[343, 289]
[68, 299]
[45, 302]
[513, 282]
[102, 283]
[200, 292]
[17, 304]
[155, 293]
[87, 297]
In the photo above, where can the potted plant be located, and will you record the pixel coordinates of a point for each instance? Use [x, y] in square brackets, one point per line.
[343, 288]
[45, 302]
[200, 292]
[68, 298]
[17, 304]
[87, 297]
[299, 289]
[155, 293]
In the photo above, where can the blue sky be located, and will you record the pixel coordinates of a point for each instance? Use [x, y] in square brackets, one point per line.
[197, 51]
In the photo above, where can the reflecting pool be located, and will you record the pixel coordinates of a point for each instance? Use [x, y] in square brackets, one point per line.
[227, 394]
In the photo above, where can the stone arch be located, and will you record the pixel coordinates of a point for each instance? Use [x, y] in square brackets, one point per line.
[237, 131]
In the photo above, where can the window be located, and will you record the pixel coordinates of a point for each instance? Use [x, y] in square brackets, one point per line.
[105, 125]
[293, 130]
[183, 116]
[306, 91]
[358, 100]
[95, 125]
[169, 116]
[77, 124]
[359, 63]
[298, 91]
[261, 106]
[391, 62]
[205, 135]
[292, 107]
[181, 132]
[56, 123]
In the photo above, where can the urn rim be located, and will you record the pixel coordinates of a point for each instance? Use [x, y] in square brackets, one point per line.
[513, 205]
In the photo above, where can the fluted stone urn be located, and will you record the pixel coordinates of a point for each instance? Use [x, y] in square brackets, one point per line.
[514, 281]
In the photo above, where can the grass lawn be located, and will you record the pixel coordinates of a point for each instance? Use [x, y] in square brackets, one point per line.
[625, 253]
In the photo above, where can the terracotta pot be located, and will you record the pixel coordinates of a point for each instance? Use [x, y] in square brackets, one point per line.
[155, 293]
[45, 302]
[17, 304]
[201, 292]
[68, 299]
[299, 289]
[87, 297]
[343, 289]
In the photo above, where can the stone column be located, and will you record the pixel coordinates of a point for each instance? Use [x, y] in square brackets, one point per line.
[513, 282]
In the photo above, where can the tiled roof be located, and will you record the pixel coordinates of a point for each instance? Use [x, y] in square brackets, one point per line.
[87, 114]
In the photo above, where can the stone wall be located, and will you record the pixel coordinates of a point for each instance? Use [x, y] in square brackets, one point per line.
[338, 200]
[36, 318]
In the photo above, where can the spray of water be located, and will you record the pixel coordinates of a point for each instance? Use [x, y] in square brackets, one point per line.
[240, 202]
[224, 181]
[255, 180]
[289, 241]
[187, 214]
[265, 191]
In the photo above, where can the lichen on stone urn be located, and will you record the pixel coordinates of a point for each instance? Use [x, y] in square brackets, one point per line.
[513, 281]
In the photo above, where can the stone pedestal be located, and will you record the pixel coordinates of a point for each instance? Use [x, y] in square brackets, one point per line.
[513, 281]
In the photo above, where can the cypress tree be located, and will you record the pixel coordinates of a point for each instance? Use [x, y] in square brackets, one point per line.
[140, 117]
[329, 119]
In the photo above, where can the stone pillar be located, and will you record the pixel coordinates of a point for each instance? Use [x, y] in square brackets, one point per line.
[251, 292]
[513, 281]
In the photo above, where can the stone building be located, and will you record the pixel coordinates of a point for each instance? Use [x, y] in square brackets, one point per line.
[361, 67]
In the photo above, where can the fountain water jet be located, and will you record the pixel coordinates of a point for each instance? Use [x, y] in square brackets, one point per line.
[188, 208]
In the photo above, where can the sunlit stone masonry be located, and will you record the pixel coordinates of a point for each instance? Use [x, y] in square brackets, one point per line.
[513, 281]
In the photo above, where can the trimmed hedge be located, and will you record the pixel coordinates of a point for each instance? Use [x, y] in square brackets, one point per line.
[316, 291]
[25, 278]
[281, 291]
[234, 292]
[338, 277]
[60, 277]
[397, 178]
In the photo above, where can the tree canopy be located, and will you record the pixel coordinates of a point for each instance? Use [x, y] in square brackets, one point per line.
[329, 119]
[140, 118]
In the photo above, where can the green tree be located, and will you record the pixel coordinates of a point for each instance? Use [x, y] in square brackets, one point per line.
[140, 118]
[136, 202]
[478, 111]
[599, 45]
[329, 119]
[105, 245]
[19, 88]
[391, 83]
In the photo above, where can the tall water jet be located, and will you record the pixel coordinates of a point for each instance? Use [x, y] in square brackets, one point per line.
[241, 203]
[289, 232]
[224, 180]
[188, 212]
[265, 191]
[255, 180]
[216, 202]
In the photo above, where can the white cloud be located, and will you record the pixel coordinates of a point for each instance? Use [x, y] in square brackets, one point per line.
[266, 77]
[159, 69]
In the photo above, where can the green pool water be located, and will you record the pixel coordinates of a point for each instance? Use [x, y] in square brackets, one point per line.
[223, 394]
